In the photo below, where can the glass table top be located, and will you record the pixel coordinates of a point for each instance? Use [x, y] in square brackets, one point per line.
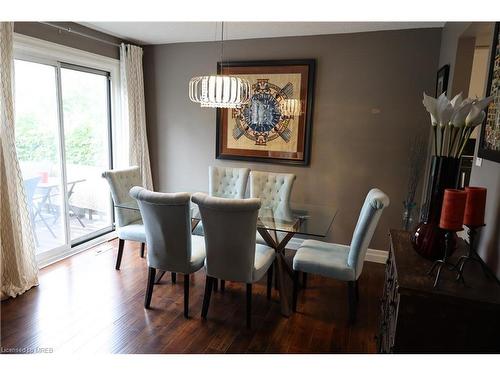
[299, 218]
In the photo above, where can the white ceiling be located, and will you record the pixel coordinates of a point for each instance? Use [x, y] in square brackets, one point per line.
[178, 32]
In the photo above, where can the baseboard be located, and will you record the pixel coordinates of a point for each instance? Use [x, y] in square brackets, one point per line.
[372, 255]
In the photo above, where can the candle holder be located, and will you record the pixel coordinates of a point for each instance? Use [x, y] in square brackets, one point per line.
[472, 254]
[440, 263]
[451, 221]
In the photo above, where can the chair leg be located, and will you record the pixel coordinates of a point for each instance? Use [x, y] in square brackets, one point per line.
[304, 280]
[269, 281]
[186, 296]
[222, 285]
[206, 298]
[149, 288]
[216, 285]
[357, 291]
[142, 249]
[121, 243]
[295, 289]
[351, 286]
[174, 277]
[249, 305]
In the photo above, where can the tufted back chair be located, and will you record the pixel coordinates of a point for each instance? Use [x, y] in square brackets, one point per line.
[227, 182]
[167, 220]
[375, 202]
[273, 189]
[230, 226]
[120, 182]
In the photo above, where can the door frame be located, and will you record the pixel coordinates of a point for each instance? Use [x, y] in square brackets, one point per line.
[48, 53]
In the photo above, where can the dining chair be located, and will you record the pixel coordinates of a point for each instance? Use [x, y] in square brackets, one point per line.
[171, 247]
[274, 191]
[341, 262]
[225, 182]
[232, 253]
[129, 222]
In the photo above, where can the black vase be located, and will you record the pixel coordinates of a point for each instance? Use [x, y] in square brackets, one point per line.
[428, 239]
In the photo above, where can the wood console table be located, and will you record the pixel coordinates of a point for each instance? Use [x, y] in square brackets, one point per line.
[452, 318]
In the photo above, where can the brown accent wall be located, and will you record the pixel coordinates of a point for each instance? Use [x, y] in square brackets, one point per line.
[51, 34]
[368, 106]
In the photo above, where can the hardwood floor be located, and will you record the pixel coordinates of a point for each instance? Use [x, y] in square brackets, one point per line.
[84, 305]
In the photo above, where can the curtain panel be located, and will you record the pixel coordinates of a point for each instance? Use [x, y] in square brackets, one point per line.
[132, 86]
[19, 271]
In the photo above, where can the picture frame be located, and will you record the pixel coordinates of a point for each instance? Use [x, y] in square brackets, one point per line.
[489, 138]
[275, 126]
[442, 80]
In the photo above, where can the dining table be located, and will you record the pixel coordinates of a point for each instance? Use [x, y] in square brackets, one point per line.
[277, 226]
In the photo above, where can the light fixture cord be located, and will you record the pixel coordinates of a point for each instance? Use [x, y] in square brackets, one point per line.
[222, 45]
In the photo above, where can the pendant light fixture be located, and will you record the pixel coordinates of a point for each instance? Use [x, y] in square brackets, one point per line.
[219, 91]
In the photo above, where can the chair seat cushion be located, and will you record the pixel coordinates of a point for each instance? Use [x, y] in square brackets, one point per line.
[133, 232]
[264, 257]
[325, 259]
[197, 253]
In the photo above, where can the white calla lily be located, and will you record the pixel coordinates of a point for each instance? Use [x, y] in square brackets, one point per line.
[476, 120]
[460, 113]
[444, 110]
[430, 105]
[456, 101]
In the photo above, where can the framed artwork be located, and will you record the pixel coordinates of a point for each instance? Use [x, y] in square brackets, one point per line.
[442, 80]
[275, 125]
[489, 140]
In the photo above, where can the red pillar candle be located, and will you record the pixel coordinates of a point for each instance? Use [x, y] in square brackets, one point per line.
[452, 212]
[474, 206]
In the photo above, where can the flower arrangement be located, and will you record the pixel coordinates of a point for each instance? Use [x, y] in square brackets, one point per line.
[453, 121]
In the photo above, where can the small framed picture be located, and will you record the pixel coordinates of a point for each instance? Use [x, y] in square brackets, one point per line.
[442, 80]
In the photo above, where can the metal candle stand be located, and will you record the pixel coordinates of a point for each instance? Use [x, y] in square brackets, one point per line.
[438, 264]
[472, 255]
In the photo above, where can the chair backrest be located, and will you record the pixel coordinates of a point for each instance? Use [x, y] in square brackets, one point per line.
[30, 186]
[226, 182]
[230, 226]
[375, 202]
[273, 189]
[120, 182]
[167, 222]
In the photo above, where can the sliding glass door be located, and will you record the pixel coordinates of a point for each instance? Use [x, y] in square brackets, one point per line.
[63, 141]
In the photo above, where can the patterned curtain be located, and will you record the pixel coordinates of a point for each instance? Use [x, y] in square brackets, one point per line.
[17, 249]
[132, 84]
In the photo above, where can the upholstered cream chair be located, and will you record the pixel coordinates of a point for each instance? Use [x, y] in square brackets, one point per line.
[341, 262]
[171, 247]
[129, 222]
[232, 254]
[225, 182]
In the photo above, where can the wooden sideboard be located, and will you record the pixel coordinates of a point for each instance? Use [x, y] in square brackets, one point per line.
[451, 318]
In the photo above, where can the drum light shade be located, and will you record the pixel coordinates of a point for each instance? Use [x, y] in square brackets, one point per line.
[219, 91]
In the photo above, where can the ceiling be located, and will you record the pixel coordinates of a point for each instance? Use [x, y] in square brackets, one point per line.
[179, 32]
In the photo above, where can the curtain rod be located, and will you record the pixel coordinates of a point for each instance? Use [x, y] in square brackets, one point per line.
[70, 30]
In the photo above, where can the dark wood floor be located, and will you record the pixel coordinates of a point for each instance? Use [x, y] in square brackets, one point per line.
[83, 305]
